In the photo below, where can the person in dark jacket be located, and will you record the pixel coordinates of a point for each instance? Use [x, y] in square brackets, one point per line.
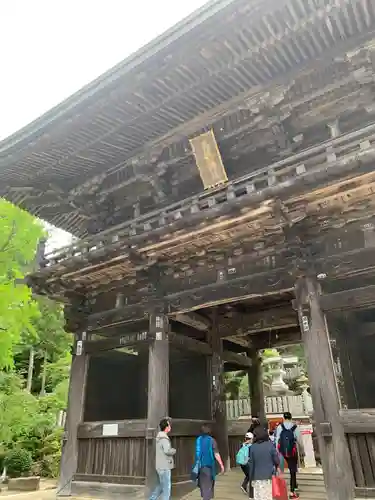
[263, 459]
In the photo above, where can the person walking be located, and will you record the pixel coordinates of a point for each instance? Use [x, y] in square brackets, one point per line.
[287, 439]
[256, 422]
[242, 459]
[263, 459]
[164, 462]
[207, 454]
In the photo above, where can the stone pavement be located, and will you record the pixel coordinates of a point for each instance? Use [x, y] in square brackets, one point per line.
[227, 488]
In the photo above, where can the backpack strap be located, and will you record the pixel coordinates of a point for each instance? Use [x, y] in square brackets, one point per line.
[294, 428]
[283, 427]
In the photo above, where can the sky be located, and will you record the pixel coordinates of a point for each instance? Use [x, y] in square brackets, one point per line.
[51, 48]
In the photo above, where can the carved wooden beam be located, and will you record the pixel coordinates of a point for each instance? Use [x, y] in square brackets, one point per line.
[348, 299]
[128, 340]
[276, 338]
[240, 194]
[189, 344]
[194, 320]
[247, 286]
[235, 287]
[237, 359]
[244, 324]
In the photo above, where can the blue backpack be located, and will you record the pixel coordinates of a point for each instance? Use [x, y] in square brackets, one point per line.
[242, 456]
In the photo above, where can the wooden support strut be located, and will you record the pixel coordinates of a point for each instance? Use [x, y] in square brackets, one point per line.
[332, 440]
[76, 397]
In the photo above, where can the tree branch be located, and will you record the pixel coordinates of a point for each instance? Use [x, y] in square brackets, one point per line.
[10, 237]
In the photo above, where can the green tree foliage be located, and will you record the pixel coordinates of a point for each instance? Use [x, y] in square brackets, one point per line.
[19, 236]
[50, 344]
[29, 324]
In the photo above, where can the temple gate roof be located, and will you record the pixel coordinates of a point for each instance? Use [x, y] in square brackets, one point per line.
[266, 77]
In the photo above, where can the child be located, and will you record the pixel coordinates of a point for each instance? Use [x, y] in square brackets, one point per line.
[242, 459]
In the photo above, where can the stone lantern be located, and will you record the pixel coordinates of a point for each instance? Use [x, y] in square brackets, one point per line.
[275, 368]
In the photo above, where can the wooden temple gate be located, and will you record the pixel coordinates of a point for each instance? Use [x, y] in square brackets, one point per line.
[220, 184]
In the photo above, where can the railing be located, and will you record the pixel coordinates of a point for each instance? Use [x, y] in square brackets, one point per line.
[274, 405]
[336, 152]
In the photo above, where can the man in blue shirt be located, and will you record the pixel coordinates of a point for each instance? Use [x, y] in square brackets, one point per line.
[289, 443]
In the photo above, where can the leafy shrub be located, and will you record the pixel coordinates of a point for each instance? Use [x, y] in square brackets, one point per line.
[51, 453]
[18, 462]
[50, 466]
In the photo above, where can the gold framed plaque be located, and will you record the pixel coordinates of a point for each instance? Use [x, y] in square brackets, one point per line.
[208, 160]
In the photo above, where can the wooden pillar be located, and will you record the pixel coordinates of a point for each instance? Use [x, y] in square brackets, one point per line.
[76, 399]
[256, 390]
[158, 386]
[218, 399]
[334, 450]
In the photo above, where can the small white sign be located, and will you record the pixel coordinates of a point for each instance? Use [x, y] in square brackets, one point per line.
[79, 348]
[110, 430]
[305, 323]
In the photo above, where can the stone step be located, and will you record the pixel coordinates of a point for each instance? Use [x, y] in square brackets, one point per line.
[311, 487]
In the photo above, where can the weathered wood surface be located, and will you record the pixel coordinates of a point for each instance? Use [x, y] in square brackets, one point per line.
[271, 108]
[217, 392]
[185, 427]
[195, 320]
[184, 459]
[179, 341]
[332, 440]
[253, 280]
[362, 451]
[236, 359]
[127, 340]
[256, 393]
[348, 299]
[189, 344]
[184, 265]
[158, 387]
[358, 421]
[115, 459]
[70, 448]
[124, 428]
[122, 459]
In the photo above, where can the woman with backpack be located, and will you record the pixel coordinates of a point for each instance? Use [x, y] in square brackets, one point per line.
[242, 459]
[263, 459]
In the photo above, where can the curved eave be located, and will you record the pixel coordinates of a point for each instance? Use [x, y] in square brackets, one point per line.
[209, 63]
[35, 129]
